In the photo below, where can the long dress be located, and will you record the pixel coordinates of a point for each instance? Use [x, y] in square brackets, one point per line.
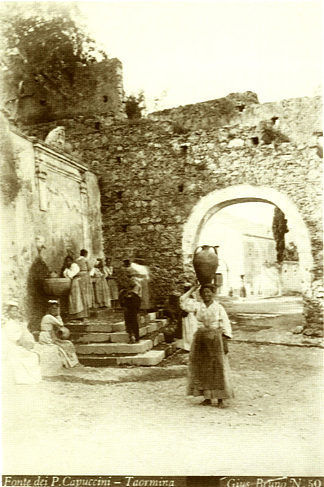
[77, 303]
[189, 322]
[19, 359]
[48, 336]
[112, 284]
[209, 371]
[85, 283]
[101, 289]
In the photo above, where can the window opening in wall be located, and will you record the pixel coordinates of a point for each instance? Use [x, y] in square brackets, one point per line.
[97, 125]
[105, 98]
[118, 159]
[255, 140]
[184, 148]
[119, 194]
[181, 187]
[124, 227]
[240, 108]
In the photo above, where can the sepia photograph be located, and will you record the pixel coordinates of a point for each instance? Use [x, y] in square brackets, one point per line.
[161, 218]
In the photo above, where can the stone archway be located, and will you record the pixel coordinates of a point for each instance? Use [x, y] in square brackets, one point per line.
[220, 198]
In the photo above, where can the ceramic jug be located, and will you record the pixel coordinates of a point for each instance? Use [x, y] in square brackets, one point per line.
[205, 262]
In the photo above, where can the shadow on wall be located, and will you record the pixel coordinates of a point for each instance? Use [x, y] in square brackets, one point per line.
[37, 299]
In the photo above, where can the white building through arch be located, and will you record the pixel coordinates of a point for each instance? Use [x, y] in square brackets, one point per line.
[208, 206]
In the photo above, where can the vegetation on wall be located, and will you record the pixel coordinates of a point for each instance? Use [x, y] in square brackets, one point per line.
[44, 42]
[179, 128]
[269, 134]
[291, 252]
[134, 105]
[9, 181]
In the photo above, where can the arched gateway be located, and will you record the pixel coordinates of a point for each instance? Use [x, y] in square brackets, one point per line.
[218, 199]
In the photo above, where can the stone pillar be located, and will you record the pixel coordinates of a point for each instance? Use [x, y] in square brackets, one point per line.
[41, 176]
[84, 212]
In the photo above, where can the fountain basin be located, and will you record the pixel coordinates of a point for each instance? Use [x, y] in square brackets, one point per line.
[57, 286]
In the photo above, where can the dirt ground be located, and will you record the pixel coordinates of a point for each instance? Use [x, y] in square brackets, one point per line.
[272, 427]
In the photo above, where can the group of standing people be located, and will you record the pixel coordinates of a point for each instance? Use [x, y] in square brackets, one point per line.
[206, 329]
[90, 287]
[97, 287]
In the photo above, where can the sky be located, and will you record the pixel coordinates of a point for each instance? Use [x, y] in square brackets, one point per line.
[183, 52]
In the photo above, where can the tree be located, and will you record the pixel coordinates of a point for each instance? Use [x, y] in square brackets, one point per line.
[44, 42]
[134, 105]
[279, 229]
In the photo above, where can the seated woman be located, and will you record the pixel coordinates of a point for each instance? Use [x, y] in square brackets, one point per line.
[78, 300]
[21, 362]
[209, 373]
[51, 327]
[101, 289]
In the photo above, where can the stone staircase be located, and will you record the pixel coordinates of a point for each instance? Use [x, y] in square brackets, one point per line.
[101, 342]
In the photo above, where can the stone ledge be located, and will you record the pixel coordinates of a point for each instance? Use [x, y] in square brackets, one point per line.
[90, 338]
[286, 344]
[99, 327]
[114, 375]
[112, 348]
[153, 357]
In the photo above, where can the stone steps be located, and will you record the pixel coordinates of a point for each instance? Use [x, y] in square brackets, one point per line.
[113, 348]
[102, 343]
[149, 358]
[146, 359]
[110, 333]
[95, 327]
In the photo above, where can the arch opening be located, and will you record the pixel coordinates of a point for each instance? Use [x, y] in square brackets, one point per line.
[210, 206]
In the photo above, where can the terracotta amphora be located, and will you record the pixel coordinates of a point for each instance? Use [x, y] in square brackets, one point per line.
[205, 262]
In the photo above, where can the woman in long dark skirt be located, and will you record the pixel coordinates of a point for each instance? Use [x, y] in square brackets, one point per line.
[209, 372]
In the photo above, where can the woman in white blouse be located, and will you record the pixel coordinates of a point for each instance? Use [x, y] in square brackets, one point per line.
[188, 305]
[78, 308]
[208, 362]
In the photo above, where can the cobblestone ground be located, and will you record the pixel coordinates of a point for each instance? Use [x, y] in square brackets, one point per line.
[273, 425]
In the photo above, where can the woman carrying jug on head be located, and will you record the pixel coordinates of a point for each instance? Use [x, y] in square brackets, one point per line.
[209, 372]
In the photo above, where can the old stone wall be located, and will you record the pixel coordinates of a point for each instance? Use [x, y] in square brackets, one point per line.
[300, 119]
[58, 200]
[96, 89]
[207, 114]
[152, 176]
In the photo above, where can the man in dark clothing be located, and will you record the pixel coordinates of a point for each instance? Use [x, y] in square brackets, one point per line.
[130, 300]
